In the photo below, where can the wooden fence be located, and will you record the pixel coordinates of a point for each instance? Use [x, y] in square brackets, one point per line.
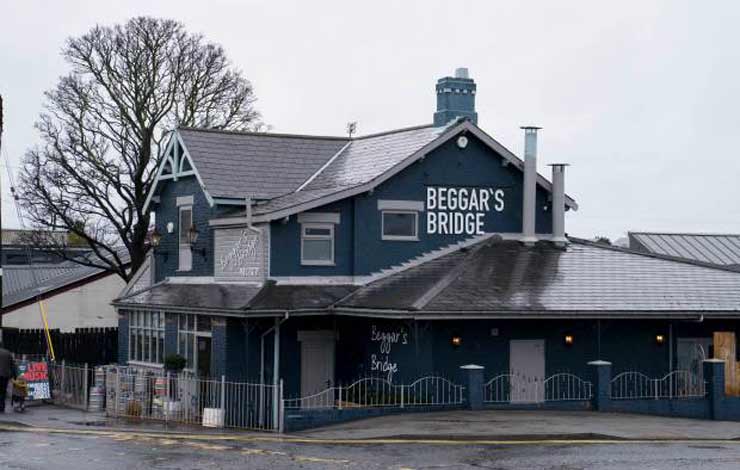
[93, 346]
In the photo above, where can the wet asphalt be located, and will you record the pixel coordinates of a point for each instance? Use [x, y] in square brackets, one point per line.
[24, 450]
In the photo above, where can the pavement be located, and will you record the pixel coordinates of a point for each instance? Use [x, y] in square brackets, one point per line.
[529, 424]
[484, 425]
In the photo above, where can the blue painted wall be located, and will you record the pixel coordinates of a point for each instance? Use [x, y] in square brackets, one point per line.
[167, 211]
[285, 245]
[359, 248]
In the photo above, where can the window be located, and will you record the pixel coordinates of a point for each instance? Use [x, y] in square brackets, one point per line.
[189, 329]
[185, 256]
[146, 336]
[400, 225]
[317, 244]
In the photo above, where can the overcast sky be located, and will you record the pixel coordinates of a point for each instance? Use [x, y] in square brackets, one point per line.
[641, 98]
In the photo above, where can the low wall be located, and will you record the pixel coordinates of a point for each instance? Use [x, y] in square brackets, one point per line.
[298, 420]
[698, 408]
[575, 405]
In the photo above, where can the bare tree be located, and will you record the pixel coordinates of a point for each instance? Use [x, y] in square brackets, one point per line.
[104, 126]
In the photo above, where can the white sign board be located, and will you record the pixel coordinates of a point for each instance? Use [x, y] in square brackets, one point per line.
[241, 254]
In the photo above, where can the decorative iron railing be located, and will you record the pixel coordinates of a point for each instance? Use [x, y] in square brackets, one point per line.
[518, 388]
[677, 384]
[379, 392]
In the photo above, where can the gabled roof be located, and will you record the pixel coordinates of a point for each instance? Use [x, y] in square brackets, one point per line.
[234, 165]
[717, 249]
[506, 278]
[359, 164]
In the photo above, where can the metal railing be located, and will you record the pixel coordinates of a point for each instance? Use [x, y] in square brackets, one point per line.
[677, 384]
[371, 392]
[70, 385]
[186, 399]
[518, 388]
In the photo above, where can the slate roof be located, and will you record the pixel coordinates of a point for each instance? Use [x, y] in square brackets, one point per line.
[281, 171]
[494, 278]
[718, 249]
[19, 284]
[266, 165]
[238, 298]
[508, 278]
[211, 296]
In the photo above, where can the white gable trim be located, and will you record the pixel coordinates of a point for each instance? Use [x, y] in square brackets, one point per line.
[177, 165]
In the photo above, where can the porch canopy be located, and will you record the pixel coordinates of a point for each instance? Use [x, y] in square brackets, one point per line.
[492, 279]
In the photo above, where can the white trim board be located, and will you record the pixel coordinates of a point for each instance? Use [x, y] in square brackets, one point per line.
[176, 165]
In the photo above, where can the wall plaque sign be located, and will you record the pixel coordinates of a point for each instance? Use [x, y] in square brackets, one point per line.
[240, 254]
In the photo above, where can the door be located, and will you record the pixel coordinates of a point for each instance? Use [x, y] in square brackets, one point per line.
[527, 369]
[317, 361]
[203, 355]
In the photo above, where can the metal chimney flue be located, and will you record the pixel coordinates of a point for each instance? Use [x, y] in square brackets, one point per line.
[529, 235]
[558, 204]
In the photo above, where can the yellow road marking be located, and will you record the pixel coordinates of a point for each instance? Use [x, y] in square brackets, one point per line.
[129, 435]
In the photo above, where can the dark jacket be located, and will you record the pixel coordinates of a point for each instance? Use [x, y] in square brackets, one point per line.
[7, 365]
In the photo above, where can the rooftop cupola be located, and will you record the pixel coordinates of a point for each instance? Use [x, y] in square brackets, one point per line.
[455, 98]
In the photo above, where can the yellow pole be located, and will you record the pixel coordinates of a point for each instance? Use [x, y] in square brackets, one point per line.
[44, 318]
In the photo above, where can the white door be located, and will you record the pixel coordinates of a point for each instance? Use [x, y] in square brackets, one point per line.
[317, 361]
[527, 369]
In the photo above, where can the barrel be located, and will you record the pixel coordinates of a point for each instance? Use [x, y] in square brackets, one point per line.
[97, 399]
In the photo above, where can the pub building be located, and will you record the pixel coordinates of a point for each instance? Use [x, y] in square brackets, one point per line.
[319, 260]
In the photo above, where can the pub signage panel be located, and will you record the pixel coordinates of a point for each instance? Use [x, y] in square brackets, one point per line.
[460, 210]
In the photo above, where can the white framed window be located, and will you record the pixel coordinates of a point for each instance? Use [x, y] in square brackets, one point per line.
[185, 255]
[189, 329]
[400, 225]
[146, 336]
[317, 244]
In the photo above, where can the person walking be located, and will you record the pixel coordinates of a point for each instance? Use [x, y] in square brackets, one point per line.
[7, 370]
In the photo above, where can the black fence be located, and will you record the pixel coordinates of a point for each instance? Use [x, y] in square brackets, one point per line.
[94, 346]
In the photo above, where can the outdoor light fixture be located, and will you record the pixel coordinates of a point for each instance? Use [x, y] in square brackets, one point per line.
[568, 340]
[456, 341]
[155, 238]
[193, 239]
[659, 339]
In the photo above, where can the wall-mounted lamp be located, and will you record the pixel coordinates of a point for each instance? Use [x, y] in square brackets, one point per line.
[193, 239]
[568, 340]
[155, 238]
[456, 341]
[659, 339]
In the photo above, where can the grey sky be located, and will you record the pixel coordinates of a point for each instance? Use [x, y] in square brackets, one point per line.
[641, 98]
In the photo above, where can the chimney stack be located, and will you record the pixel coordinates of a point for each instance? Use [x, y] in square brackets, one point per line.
[455, 98]
[558, 204]
[529, 235]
